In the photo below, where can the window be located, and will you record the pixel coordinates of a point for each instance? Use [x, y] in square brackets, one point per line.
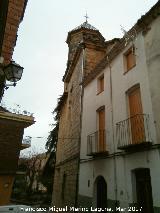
[101, 84]
[129, 59]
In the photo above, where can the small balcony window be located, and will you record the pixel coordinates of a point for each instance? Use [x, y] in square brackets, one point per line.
[100, 84]
[129, 59]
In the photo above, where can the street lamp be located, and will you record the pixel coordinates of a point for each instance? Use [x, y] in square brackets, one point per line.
[13, 73]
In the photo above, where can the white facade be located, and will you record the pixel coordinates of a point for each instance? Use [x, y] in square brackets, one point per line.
[117, 166]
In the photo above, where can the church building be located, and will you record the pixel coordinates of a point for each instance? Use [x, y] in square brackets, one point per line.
[86, 47]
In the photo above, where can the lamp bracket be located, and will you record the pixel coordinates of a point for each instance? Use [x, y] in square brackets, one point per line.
[1, 71]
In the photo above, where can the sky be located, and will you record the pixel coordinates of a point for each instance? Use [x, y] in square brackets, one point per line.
[42, 51]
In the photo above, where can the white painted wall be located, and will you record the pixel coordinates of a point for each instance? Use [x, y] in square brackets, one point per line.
[125, 164]
[152, 50]
[120, 84]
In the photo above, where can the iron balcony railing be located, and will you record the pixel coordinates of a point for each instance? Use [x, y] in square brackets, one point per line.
[133, 131]
[26, 142]
[96, 143]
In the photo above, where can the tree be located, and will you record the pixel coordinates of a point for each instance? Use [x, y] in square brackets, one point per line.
[32, 164]
[53, 134]
[51, 144]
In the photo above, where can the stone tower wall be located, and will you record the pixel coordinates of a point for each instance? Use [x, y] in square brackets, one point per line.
[67, 158]
[68, 147]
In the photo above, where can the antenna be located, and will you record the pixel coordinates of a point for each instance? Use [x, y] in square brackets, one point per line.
[129, 36]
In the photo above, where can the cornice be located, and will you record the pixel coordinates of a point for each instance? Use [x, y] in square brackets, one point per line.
[23, 119]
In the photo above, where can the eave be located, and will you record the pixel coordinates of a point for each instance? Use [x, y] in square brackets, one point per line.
[24, 8]
[70, 69]
[23, 120]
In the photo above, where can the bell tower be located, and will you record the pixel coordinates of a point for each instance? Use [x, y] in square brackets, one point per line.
[93, 42]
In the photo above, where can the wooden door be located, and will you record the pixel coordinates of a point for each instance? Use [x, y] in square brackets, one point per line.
[136, 116]
[144, 190]
[101, 193]
[101, 133]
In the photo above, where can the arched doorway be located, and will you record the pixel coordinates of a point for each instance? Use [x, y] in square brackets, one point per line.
[101, 192]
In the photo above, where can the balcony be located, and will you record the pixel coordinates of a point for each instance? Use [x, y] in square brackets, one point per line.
[26, 142]
[96, 144]
[134, 133]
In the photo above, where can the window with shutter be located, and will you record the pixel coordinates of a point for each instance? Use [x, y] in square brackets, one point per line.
[129, 59]
[100, 84]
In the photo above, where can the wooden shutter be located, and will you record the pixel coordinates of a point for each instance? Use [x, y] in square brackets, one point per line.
[136, 116]
[101, 130]
[101, 84]
[135, 102]
[130, 59]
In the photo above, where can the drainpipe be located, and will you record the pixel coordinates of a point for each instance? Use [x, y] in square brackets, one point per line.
[113, 136]
[81, 112]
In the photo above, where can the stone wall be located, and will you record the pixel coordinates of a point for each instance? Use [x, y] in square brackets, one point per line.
[67, 156]
[93, 56]
[10, 141]
[65, 182]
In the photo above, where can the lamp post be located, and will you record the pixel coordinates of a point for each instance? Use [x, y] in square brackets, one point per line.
[11, 72]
